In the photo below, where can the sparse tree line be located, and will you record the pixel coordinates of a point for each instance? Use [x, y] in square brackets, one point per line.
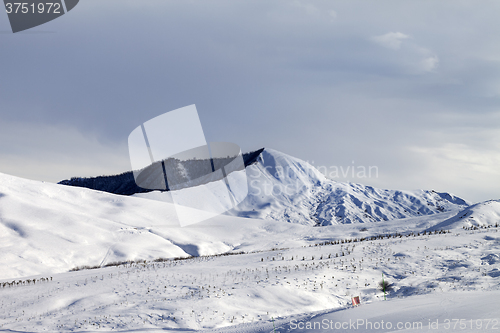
[142, 262]
[475, 227]
[26, 282]
[379, 237]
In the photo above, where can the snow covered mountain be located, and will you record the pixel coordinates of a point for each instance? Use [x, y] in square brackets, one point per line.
[47, 227]
[285, 188]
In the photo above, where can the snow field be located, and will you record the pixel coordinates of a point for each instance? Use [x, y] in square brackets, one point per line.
[466, 312]
[251, 289]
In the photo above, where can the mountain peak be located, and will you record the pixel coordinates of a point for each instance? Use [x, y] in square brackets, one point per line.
[282, 187]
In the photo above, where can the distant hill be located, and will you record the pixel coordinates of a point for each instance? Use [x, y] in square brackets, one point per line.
[482, 214]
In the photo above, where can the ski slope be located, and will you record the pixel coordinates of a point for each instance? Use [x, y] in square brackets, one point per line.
[468, 311]
[438, 276]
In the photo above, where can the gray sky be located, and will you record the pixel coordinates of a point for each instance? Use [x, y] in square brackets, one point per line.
[412, 88]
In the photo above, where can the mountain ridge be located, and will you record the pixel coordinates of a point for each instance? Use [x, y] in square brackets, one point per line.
[282, 187]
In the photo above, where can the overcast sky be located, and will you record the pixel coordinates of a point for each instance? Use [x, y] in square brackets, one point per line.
[412, 88]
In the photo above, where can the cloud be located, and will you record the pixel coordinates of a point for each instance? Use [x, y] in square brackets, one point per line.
[428, 64]
[461, 168]
[415, 58]
[53, 153]
[307, 7]
[289, 75]
[391, 40]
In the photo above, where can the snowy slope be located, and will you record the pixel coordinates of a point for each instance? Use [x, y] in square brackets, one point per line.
[482, 214]
[356, 203]
[280, 187]
[285, 188]
[469, 312]
[436, 277]
[47, 228]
